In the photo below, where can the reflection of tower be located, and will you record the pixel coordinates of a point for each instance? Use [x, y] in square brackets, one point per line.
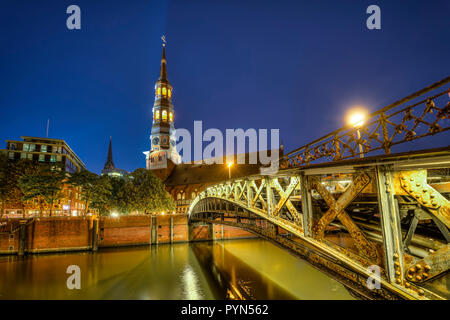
[162, 138]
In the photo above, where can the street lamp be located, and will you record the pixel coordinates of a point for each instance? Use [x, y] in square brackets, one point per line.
[229, 169]
[356, 119]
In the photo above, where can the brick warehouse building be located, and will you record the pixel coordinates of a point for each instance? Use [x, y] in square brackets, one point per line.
[46, 150]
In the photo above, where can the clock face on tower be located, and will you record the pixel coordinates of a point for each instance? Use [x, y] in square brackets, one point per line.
[155, 140]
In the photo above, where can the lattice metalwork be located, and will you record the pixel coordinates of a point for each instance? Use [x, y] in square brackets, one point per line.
[397, 123]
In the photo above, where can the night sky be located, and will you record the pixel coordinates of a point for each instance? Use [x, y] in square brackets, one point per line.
[293, 65]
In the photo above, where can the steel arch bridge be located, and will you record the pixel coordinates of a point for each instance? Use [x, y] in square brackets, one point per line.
[362, 217]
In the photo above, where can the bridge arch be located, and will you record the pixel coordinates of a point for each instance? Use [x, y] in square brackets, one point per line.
[344, 218]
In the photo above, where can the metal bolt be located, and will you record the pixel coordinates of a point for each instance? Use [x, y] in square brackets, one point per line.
[421, 292]
[409, 277]
[418, 267]
[407, 284]
[427, 268]
[396, 256]
[412, 269]
[399, 280]
[431, 195]
[419, 278]
[424, 274]
[397, 273]
[417, 184]
[397, 264]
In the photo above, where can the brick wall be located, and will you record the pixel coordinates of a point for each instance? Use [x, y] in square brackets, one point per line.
[75, 233]
[122, 231]
[47, 235]
[58, 234]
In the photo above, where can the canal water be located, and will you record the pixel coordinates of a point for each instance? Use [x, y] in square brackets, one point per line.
[237, 269]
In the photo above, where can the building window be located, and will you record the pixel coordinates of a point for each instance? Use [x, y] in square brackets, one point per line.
[157, 114]
[179, 196]
[170, 93]
[32, 147]
[41, 157]
[30, 156]
[170, 116]
[26, 147]
[158, 91]
[164, 91]
[11, 155]
[23, 155]
[43, 148]
[59, 158]
[52, 158]
[164, 115]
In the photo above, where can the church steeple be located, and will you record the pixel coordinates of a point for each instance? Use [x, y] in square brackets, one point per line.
[109, 164]
[163, 72]
[162, 138]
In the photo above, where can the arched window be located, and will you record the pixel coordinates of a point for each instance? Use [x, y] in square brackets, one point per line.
[170, 116]
[179, 196]
[184, 196]
[164, 115]
[157, 114]
[170, 92]
[193, 195]
[158, 91]
[164, 90]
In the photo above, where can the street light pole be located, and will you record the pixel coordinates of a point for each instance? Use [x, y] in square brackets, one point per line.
[229, 169]
[356, 119]
[361, 154]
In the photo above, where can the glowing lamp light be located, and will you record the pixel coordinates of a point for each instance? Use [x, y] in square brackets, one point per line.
[229, 164]
[357, 118]
[114, 214]
[162, 213]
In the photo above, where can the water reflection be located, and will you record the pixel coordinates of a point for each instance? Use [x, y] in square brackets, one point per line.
[180, 271]
[257, 269]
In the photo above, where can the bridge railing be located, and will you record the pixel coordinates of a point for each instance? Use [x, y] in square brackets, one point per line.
[394, 124]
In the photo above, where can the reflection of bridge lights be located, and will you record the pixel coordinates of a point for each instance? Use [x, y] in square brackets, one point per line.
[191, 285]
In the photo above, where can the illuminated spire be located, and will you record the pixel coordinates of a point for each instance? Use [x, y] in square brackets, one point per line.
[163, 73]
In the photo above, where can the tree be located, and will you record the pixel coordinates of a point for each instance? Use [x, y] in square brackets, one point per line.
[101, 197]
[43, 186]
[118, 199]
[87, 181]
[10, 173]
[146, 193]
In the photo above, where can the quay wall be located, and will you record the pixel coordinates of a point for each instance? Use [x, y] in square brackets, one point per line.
[62, 234]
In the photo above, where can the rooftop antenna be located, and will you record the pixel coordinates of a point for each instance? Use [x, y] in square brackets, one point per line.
[48, 125]
[163, 38]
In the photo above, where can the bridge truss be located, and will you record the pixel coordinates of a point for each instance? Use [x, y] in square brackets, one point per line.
[352, 218]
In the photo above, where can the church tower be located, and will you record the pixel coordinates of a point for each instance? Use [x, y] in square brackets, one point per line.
[162, 138]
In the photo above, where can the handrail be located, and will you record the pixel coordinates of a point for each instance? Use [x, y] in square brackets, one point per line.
[381, 131]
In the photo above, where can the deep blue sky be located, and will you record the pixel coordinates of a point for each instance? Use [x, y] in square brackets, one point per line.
[293, 65]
